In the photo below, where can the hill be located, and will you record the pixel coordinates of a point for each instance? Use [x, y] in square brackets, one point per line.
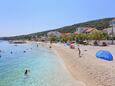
[99, 24]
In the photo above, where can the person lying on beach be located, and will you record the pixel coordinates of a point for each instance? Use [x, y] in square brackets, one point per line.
[72, 46]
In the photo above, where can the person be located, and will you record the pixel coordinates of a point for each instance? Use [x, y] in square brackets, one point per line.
[26, 71]
[104, 44]
[24, 51]
[37, 45]
[50, 46]
[72, 46]
[79, 51]
[95, 43]
[11, 52]
[15, 45]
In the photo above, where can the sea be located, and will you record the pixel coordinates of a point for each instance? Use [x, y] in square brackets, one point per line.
[45, 68]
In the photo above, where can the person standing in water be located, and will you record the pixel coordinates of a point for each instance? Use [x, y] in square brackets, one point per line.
[37, 45]
[26, 72]
[11, 52]
[24, 51]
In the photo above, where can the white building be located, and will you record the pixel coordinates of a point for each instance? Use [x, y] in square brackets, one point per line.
[54, 33]
[84, 30]
[109, 30]
[80, 30]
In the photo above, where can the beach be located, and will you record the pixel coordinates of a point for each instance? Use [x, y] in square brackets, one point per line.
[45, 69]
[88, 69]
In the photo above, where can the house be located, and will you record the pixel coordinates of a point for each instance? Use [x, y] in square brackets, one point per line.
[43, 38]
[109, 31]
[65, 34]
[80, 30]
[112, 22]
[89, 30]
[54, 33]
[84, 30]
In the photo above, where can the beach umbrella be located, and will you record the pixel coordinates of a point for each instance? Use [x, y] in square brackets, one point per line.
[104, 54]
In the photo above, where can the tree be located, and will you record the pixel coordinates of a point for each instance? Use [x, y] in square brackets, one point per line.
[53, 36]
[82, 36]
[72, 37]
[63, 39]
[98, 35]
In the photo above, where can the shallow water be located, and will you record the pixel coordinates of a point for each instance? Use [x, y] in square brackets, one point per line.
[45, 68]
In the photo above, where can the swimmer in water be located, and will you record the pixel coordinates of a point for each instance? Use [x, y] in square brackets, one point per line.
[24, 51]
[26, 72]
[37, 45]
[11, 52]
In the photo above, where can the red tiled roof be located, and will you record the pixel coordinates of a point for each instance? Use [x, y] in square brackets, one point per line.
[89, 30]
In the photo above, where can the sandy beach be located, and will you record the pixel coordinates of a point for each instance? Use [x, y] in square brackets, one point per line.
[88, 69]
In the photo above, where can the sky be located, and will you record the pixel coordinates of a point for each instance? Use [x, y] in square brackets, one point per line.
[18, 17]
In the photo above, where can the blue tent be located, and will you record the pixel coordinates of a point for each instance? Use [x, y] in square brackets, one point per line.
[103, 54]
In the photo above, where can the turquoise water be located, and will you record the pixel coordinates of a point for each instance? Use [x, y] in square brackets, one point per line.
[45, 68]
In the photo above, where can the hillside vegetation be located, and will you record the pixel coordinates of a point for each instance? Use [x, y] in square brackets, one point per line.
[98, 24]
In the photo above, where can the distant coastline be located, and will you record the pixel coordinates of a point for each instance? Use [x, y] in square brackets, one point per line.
[98, 24]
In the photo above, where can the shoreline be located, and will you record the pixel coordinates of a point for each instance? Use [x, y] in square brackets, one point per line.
[80, 83]
[88, 69]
